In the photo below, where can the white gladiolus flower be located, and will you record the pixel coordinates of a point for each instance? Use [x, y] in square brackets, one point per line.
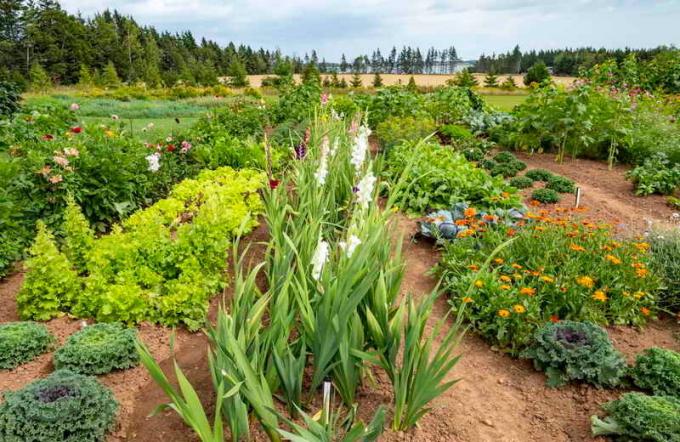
[365, 189]
[360, 147]
[351, 245]
[336, 145]
[319, 258]
[154, 161]
[322, 172]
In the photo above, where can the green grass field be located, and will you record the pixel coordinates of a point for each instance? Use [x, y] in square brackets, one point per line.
[504, 102]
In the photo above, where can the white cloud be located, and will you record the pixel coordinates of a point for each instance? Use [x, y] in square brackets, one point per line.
[354, 26]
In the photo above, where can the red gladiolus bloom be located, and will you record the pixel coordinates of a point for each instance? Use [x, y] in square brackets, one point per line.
[554, 319]
[76, 129]
[170, 148]
[273, 184]
[48, 137]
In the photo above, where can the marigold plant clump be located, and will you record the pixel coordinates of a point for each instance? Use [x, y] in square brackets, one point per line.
[546, 196]
[65, 406]
[557, 266]
[98, 349]
[582, 351]
[21, 342]
[561, 184]
[658, 370]
[539, 175]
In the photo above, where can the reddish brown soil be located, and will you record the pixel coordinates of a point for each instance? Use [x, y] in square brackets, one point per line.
[497, 398]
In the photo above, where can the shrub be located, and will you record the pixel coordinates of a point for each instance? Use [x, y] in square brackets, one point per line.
[473, 153]
[580, 351]
[658, 370]
[440, 177]
[636, 416]
[50, 284]
[554, 269]
[508, 169]
[487, 164]
[538, 73]
[65, 406]
[539, 175]
[505, 157]
[21, 342]
[561, 184]
[394, 130]
[656, 175]
[98, 349]
[10, 95]
[665, 248]
[546, 196]
[521, 182]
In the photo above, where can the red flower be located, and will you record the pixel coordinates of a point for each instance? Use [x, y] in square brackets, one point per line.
[554, 319]
[76, 129]
[273, 184]
[170, 148]
[48, 137]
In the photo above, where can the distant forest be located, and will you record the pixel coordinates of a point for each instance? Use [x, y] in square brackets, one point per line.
[40, 35]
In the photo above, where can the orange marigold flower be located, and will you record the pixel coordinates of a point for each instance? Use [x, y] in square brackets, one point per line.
[473, 267]
[600, 296]
[529, 291]
[498, 261]
[505, 287]
[645, 311]
[467, 300]
[479, 283]
[548, 279]
[641, 246]
[505, 194]
[461, 222]
[518, 308]
[585, 281]
[613, 259]
[505, 278]
[554, 319]
[516, 266]
[503, 313]
[641, 273]
[638, 265]
[489, 217]
[511, 232]
[576, 248]
[470, 212]
[534, 203]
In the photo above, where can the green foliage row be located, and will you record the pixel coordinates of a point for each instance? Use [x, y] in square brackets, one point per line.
[65, 406]
[439, 177]
[656, 175]
[162, 264]
[21, 342]
[98, 349]
[581, 351]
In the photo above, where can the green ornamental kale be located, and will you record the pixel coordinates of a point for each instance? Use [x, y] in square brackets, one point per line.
[636, 416]
[64, 407]
[658, 370]
[570, 350]
[20, 342]
[99, 349]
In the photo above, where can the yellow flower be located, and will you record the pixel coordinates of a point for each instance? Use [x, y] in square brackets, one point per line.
[613, 259]
[517, 276]
[505, 287]
[599, 295]
[479, 283]
[576, 248]
[641, 246]
[518, 308]
[639, 294]
[109, 133]
[585, 281]
[503, 313]
[498, 261]
[548, 279]
[527, 291]
[505, 278]
[467, 300]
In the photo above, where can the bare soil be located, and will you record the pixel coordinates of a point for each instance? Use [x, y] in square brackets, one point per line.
[497, 398]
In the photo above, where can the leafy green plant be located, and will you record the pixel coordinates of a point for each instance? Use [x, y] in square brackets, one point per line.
[636, 416]
[505, 157]
[78, 236]
[487, 164]
[539, 175]
[581, 351]
[65, 406]
[546, 196]
[455, 132]
[561, 184]
[473, 153]
[21, 342]
[507, 170]
[395, 130]
[327, 430]
[50, 285]
[658, 370]
[655, 175]
[98, 349]
[440, 177]
[665, 248]
[521, 182]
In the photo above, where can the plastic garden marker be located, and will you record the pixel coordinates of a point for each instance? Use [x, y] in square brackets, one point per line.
[578, 197]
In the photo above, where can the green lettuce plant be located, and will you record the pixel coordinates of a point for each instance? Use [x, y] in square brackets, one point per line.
[636, 416]
[65, 406]
[21, 342]
[582, 351]
[658, 370]
[98, 349]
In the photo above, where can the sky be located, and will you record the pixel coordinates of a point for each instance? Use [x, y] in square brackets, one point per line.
[355, 27]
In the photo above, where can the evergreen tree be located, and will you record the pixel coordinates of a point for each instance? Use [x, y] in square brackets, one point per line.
[335, 82]
[537, 73]
[311, 74]
[491, 79]
[412, 84]
[238, 76]
[40, 81]
[377, 80]
[465, 78]
[508, 84]
[110, 76]
[356, 80]
[343, 83]
[84, 77]
[343, 64]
